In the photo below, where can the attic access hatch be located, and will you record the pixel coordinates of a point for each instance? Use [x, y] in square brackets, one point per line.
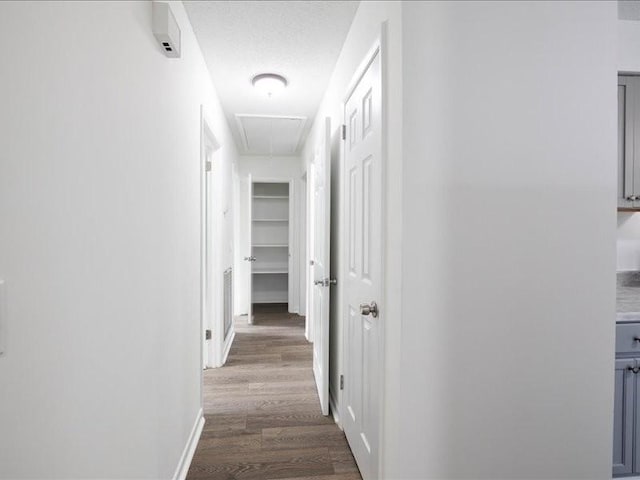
[270, 134]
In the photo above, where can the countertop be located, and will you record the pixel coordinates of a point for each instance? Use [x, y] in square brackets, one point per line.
[628, 296]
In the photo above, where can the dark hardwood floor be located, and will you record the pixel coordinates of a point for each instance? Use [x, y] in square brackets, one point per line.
[262, 413]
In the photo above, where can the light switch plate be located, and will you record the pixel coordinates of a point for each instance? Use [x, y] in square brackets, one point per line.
[3, 317]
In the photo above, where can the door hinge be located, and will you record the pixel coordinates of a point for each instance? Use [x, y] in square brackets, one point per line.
[344, 132]
[341, 382]
[207, 166]
[207, 334]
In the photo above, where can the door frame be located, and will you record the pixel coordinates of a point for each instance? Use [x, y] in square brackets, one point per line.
[292, 223]
[207, 137]
[308, 268]
[302, 244]
[378, 47]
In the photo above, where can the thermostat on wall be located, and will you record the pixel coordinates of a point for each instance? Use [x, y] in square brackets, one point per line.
[166, 30]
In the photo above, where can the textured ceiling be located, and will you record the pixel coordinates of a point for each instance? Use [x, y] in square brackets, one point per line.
[298, 39]
[629, 10]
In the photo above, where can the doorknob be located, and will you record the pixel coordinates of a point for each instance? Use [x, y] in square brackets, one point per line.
[250, 259]
[371, 309]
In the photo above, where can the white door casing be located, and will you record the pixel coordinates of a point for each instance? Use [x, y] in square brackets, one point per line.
[308, 331]
[208, 146]
[321, 267]
[302, 245]
[217, 347]
[360, 410]
[292, 253]
[249, 257]
[209, 352]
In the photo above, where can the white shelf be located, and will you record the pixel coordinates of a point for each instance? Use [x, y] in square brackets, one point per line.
[281, 299]
[270, 246]
[270, 271]
[275, 220]
[270, 288]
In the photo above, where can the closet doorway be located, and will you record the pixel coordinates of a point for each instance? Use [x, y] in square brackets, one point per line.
[270, 233]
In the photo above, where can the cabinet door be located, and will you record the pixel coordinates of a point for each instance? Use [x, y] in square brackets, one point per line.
[622, 91]
[636, 417]
[623, 421]
[628, 137]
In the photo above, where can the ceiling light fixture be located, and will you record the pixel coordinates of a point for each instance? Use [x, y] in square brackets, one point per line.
[269, 83]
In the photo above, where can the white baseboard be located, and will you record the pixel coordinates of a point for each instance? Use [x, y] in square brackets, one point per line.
[227, 347]
[333, 407]
[189, 449]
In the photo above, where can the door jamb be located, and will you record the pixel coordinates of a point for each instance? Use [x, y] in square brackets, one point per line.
[379, 46]
[310, 178]
[303, 260]
[207, 137]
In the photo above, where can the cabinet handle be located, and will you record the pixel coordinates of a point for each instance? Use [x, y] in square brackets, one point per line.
[632, 198]
[636, 339]
[633, 369]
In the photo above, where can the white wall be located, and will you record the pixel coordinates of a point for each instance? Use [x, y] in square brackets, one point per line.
[628, 242]
[628, 46]
[628, 233]
[281, 168]
[508, 240]
[100, 240]
[371, 20]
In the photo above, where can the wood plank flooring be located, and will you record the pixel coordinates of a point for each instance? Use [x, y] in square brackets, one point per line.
[263, 418]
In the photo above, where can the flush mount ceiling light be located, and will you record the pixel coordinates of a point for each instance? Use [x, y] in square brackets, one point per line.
[269, 83]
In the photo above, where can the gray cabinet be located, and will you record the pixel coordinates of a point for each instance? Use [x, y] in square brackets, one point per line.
[628, 139]
[626, 409]
[623, 422]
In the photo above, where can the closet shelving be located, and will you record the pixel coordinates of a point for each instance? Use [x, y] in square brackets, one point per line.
[270, 242]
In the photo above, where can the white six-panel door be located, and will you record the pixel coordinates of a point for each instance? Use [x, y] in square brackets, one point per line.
[321, 267]
[363, 282]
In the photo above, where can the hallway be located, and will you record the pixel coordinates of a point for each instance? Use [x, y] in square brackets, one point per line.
[262, 413]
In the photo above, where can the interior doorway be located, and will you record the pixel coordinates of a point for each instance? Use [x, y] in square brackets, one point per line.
[270, 233]
[216, 282]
